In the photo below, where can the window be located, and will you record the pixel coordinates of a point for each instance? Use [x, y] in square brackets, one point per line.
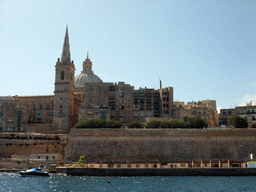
[61, 109]
[53, 157]
[38, 157]
[62, 75]
[40, 106]
[135, 94]
[90, 88]
[111, 88]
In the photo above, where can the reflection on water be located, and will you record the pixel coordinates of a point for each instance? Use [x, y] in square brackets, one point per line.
[13, 182]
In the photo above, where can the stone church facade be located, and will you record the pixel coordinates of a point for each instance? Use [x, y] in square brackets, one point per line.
[84, 97]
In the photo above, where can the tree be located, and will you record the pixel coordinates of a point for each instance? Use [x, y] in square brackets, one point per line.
[238, 122]
[196, 122]
[153, 124]
[253, 125]
[134, 124]
[98, 123]
[82, 160]
[113, 124]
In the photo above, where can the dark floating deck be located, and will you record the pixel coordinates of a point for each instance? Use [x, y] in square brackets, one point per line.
[158, 171]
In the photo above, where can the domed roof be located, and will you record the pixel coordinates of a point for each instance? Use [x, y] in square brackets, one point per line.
[84, 77]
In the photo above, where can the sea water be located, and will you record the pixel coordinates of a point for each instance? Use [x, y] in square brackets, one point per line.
[13, 182]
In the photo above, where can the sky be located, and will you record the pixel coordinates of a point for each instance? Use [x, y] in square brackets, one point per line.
[204, 49]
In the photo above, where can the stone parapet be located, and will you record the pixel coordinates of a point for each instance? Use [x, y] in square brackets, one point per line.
[147, 145]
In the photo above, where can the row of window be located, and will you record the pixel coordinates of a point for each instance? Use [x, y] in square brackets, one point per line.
[146, 94]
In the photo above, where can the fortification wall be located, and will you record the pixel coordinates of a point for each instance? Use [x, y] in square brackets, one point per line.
[29, 143]
[161, 145]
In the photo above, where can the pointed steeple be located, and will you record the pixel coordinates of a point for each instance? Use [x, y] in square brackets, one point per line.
[65, 57]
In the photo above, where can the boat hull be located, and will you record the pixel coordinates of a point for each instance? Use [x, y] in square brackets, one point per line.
[24, 174]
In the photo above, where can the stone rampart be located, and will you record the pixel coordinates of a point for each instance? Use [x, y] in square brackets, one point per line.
[29, 143]
[148, 145]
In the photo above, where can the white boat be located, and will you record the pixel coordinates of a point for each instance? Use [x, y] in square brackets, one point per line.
[34, 172]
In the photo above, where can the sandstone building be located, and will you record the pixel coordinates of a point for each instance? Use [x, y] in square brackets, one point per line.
[86, 96]
[248, 112]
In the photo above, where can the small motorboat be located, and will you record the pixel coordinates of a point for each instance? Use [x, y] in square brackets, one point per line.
[34, 172]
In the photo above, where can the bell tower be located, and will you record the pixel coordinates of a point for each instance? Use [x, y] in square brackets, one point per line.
[63, 115]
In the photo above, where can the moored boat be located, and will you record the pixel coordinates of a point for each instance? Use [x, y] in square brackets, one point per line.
[34, 172]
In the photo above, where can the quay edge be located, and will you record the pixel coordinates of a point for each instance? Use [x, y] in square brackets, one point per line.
[158, 172]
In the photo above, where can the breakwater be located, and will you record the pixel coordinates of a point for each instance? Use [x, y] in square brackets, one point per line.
[154, 145]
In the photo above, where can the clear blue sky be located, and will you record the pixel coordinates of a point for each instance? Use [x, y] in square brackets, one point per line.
[203, 49]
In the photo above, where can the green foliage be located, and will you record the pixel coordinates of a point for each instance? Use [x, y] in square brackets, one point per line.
[82, 160]
[154, 124]
[32, 120]
[134, 124]
[113, 124]
[253, 125]
[1, 128]
[196, 122]
[237, 122]
[193, 122]
[98, 123]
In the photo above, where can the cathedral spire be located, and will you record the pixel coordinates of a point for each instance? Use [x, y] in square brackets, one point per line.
[65, 57]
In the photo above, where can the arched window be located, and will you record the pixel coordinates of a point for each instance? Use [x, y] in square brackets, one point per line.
[62, 75]
[61, 109]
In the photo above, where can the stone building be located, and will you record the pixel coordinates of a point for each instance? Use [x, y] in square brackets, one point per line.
[86, 96]
[248, 112]
[205, 108]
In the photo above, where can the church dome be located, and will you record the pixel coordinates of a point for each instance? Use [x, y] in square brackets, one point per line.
[84, 77]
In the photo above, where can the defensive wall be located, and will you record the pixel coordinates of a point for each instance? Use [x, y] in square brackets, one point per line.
[160, 145]
[29, 143]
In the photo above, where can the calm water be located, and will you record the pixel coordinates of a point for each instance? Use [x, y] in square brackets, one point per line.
[10, 182]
